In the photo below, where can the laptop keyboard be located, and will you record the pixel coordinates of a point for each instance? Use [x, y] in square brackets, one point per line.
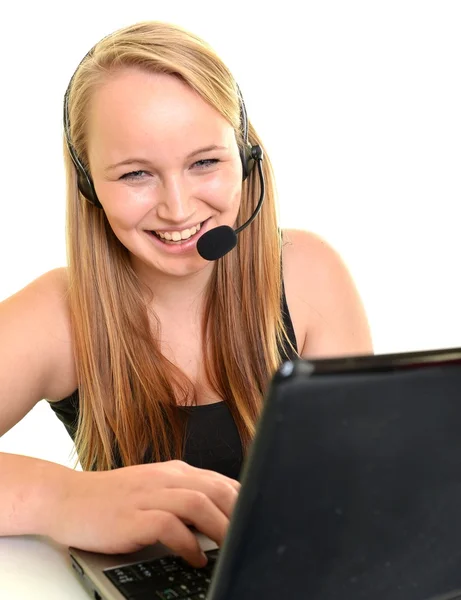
[166, 578]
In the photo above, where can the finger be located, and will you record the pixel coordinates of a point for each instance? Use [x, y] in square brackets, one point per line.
[223, 495]
[196, 508]
[182, 467]
[165, 527]
[179, 475]
[219, 477]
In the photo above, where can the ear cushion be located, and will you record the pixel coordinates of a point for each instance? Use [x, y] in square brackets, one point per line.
[86, 187]
[248, 162]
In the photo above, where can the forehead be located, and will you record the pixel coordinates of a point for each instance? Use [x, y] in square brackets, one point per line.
[135, 110]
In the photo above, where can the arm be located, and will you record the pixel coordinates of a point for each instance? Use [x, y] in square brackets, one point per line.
[36, 355]
[35, 362]
[111, 511]
[29, 488]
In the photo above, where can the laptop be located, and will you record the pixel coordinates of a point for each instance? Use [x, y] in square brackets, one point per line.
[351, 490]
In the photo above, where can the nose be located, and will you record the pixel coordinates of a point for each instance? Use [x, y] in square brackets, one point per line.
[174, 203]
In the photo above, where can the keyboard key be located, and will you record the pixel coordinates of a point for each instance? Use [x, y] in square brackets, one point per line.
[168, 594]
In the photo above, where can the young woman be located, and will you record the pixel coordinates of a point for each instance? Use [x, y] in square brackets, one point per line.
[155, 348]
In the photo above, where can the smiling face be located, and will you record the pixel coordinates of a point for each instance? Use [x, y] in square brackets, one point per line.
[166, 168]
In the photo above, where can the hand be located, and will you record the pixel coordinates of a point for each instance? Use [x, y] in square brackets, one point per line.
[126, 509]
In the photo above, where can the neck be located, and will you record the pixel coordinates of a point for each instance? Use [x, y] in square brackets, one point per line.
[176, 295]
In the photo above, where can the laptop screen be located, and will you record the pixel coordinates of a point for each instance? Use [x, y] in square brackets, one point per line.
[352, 490]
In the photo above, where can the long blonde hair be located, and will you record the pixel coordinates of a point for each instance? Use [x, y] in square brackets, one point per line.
[129, 392]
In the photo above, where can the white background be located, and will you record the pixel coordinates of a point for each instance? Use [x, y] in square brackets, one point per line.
[358, 103]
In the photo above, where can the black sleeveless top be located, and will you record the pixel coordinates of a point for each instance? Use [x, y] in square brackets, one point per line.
[212, 439]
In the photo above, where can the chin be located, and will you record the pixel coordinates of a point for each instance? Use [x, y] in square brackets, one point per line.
[177, 267]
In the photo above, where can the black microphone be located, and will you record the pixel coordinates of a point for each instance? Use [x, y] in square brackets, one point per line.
[217, 242]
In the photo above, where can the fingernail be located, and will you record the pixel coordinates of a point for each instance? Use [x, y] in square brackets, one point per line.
[204, 558]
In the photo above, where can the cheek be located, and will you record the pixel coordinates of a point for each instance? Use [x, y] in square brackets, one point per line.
[124, 208]
[223, 193]
[234, 195]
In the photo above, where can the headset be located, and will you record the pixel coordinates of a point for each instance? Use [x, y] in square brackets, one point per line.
[215, 242]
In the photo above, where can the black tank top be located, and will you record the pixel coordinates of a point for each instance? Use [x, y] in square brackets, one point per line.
[212, 438]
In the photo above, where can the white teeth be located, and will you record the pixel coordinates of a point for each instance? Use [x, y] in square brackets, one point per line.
[177, 236]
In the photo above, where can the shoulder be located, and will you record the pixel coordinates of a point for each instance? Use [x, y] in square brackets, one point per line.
[312, 263]
[327, 311]
[55, 283]
[48, 292]
[299, 244]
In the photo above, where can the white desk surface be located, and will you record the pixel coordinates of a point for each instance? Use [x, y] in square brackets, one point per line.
[36, 568]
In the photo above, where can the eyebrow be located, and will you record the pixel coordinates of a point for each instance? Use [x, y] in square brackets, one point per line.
[144, 162]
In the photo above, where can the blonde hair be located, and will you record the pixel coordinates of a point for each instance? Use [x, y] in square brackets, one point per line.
[129, 392]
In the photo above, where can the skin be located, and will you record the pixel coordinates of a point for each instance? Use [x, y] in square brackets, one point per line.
[155, 122]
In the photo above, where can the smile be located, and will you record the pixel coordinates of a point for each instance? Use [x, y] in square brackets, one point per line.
[178, 236]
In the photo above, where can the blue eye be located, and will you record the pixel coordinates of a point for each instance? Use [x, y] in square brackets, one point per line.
[206, 162]
[133, 175]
